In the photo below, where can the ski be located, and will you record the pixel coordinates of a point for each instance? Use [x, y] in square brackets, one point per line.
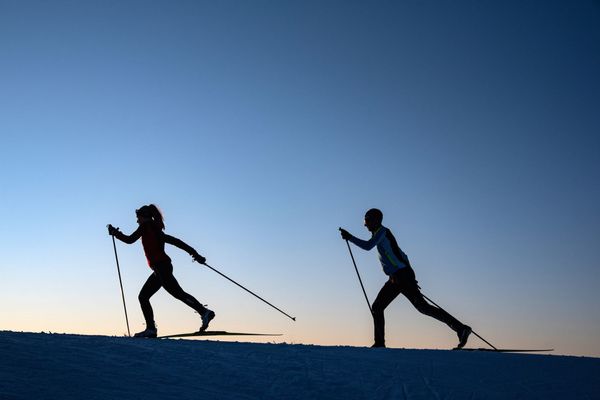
[217, 333]
[505, 350]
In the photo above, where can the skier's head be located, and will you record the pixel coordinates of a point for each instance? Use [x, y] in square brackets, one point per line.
[373, 219]
[150, 213]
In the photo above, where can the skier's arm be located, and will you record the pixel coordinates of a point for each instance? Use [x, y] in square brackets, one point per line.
[129, 239]
[368, 244]
[184, 246]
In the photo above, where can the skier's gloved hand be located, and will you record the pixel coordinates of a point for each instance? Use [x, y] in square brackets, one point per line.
[197, 257]
[112, 231]
[345, 234]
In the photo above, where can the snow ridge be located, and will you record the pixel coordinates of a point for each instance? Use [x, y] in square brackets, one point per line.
[65, 366]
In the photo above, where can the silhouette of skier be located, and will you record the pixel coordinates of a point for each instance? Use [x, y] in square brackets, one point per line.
[401, 279]
[150, 229]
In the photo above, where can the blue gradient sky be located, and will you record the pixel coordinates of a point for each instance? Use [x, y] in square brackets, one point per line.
[260, 127]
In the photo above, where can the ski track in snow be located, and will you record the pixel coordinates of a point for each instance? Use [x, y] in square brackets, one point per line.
[61, 366]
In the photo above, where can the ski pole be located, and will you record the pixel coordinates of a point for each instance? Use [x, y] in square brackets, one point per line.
[360, 280]
[252, 293]
[121, 283]
[472, 331]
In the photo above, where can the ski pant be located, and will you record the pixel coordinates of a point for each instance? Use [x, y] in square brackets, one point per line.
[163, 277]
[404, 282]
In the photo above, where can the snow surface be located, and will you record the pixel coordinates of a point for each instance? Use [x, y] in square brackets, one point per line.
[64, 366]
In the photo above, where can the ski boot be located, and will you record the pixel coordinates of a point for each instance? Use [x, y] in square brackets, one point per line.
[149, 332]
[206, 318]
[463, 336]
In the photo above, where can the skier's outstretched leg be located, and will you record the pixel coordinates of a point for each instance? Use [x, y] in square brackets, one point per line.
[414, 295]
[165, 273]
[417, 299]
[386, 295]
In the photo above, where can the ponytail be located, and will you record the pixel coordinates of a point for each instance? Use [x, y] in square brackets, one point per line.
[152, 211]
[157, 216]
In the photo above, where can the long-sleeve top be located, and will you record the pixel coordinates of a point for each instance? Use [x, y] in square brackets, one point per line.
[153, 241]
[392, 258]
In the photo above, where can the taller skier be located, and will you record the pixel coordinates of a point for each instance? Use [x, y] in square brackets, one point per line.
[150, 229]
[401, 279]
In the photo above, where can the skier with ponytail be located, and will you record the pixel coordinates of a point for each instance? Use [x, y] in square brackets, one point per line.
[151, 230]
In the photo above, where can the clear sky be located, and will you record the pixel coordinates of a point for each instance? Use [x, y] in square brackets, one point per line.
[261, 127]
